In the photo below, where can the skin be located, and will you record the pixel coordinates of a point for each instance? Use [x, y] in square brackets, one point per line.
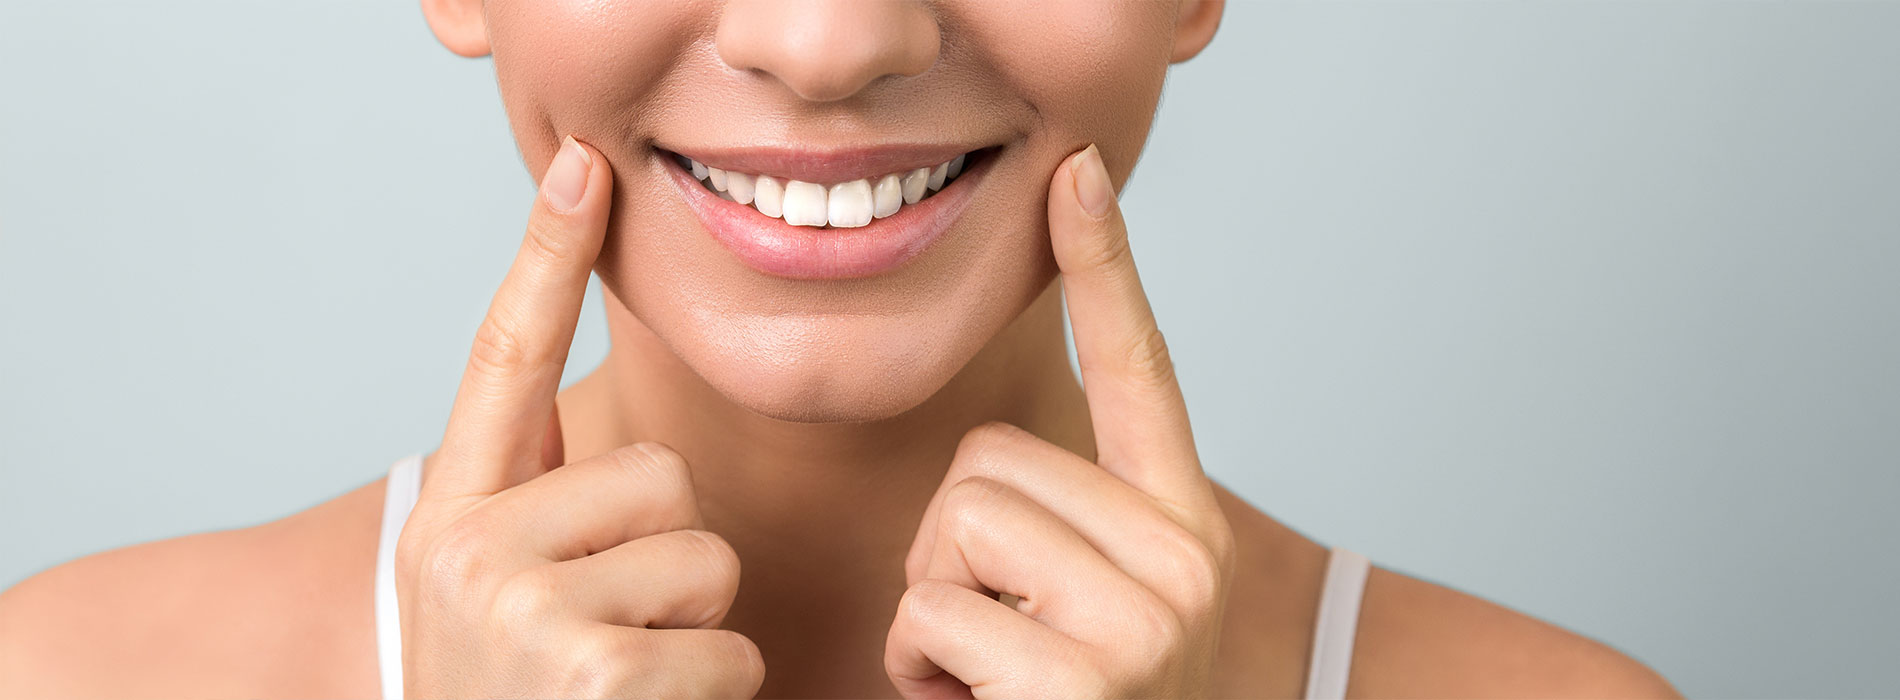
[836, 479]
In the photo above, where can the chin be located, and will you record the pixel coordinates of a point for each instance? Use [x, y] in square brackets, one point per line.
[835, 368]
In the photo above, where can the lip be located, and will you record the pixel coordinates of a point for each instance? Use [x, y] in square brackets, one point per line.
[777, 248]
[829, 166]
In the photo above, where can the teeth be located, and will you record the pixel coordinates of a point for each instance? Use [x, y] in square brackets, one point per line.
[914, 182]
[888, 196]
[740, 185]
[843, 205]
[849, 204]
[769, 196]
[805, 204]
[937, 176]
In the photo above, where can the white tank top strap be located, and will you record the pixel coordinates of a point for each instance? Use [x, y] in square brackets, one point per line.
[1338, 620]
[399, 496]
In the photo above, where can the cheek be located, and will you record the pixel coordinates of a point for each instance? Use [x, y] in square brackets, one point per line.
[583, 67]
[1092, 68]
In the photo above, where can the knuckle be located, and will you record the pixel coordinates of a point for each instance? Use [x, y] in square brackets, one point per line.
[1109, 250]
[498, 348]
[925, 603]
[968, 506]
[739, 654]
[1157, 633]
[599, 664]
[715, 554]
[981, 444]
[526, 599]
[1147, 359]
[655, 461]
[657, 468]
[1083, 671]
[548, 242]
[1193, 570]
[458, 559]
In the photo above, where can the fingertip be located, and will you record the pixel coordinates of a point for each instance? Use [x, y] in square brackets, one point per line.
[1093, 191]
[568, 176]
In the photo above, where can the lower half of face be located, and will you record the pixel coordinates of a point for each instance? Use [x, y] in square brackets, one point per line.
[840, 321]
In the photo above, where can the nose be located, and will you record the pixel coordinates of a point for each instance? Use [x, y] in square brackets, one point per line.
[828, 50]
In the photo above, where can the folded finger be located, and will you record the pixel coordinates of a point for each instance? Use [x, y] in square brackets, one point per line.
[949, 640]
[669, 663]
[673, 580]
[1174, 558]
[591, 506]
[992, 539]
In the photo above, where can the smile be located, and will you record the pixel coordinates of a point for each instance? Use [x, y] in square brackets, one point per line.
[827, 215]
[843, 205]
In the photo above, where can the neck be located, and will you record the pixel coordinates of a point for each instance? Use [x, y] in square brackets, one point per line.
[821, 514]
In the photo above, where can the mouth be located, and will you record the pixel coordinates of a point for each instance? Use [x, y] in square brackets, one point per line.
[833, 215]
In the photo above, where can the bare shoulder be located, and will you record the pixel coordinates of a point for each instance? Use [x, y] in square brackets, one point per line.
[1418, 638]
[1415, 638]
[279, 608]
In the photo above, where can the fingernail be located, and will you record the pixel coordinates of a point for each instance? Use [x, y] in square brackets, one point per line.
[1092, 188]
[566, 180]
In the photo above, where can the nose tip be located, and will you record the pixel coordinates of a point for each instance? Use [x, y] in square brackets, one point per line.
[828, 50]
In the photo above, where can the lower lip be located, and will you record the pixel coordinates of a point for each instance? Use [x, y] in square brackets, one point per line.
[777, 248]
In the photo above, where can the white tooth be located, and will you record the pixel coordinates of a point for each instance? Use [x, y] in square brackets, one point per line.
[888, 195]
[805, 203]
[937, 174]
[718, 178]
[849, 204]
[725, 196]
[740, 185]
[699, 169]
[769, 196]
[914, 183]
[956, 166]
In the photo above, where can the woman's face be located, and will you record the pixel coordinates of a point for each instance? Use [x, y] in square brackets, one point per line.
[838, 323]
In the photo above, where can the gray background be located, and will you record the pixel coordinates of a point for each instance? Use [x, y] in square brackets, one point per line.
[1587, 308]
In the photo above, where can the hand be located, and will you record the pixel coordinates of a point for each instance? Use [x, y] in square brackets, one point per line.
[1120, 567]
[517, 576]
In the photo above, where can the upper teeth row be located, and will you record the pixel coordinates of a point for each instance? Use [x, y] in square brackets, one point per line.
[844, 205]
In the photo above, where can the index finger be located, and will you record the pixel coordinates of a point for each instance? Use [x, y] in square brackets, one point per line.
[503, 405]
[1135, 404]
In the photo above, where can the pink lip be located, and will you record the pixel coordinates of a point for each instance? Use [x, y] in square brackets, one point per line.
[826, 166]
[776, 248]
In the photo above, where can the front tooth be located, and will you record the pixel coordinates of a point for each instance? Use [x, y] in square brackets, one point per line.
[718, 178]
[740, 185]
[914, 183]
[888, 195]
[699, 169]
[956, 166]
[769, 196]
[849, 204]
[937, 174]
[805, 203]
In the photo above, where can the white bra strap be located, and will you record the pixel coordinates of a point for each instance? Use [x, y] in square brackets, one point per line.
[1338, 620]
[400, 491]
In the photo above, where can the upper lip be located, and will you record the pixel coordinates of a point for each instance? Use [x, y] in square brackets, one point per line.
[825, 165]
